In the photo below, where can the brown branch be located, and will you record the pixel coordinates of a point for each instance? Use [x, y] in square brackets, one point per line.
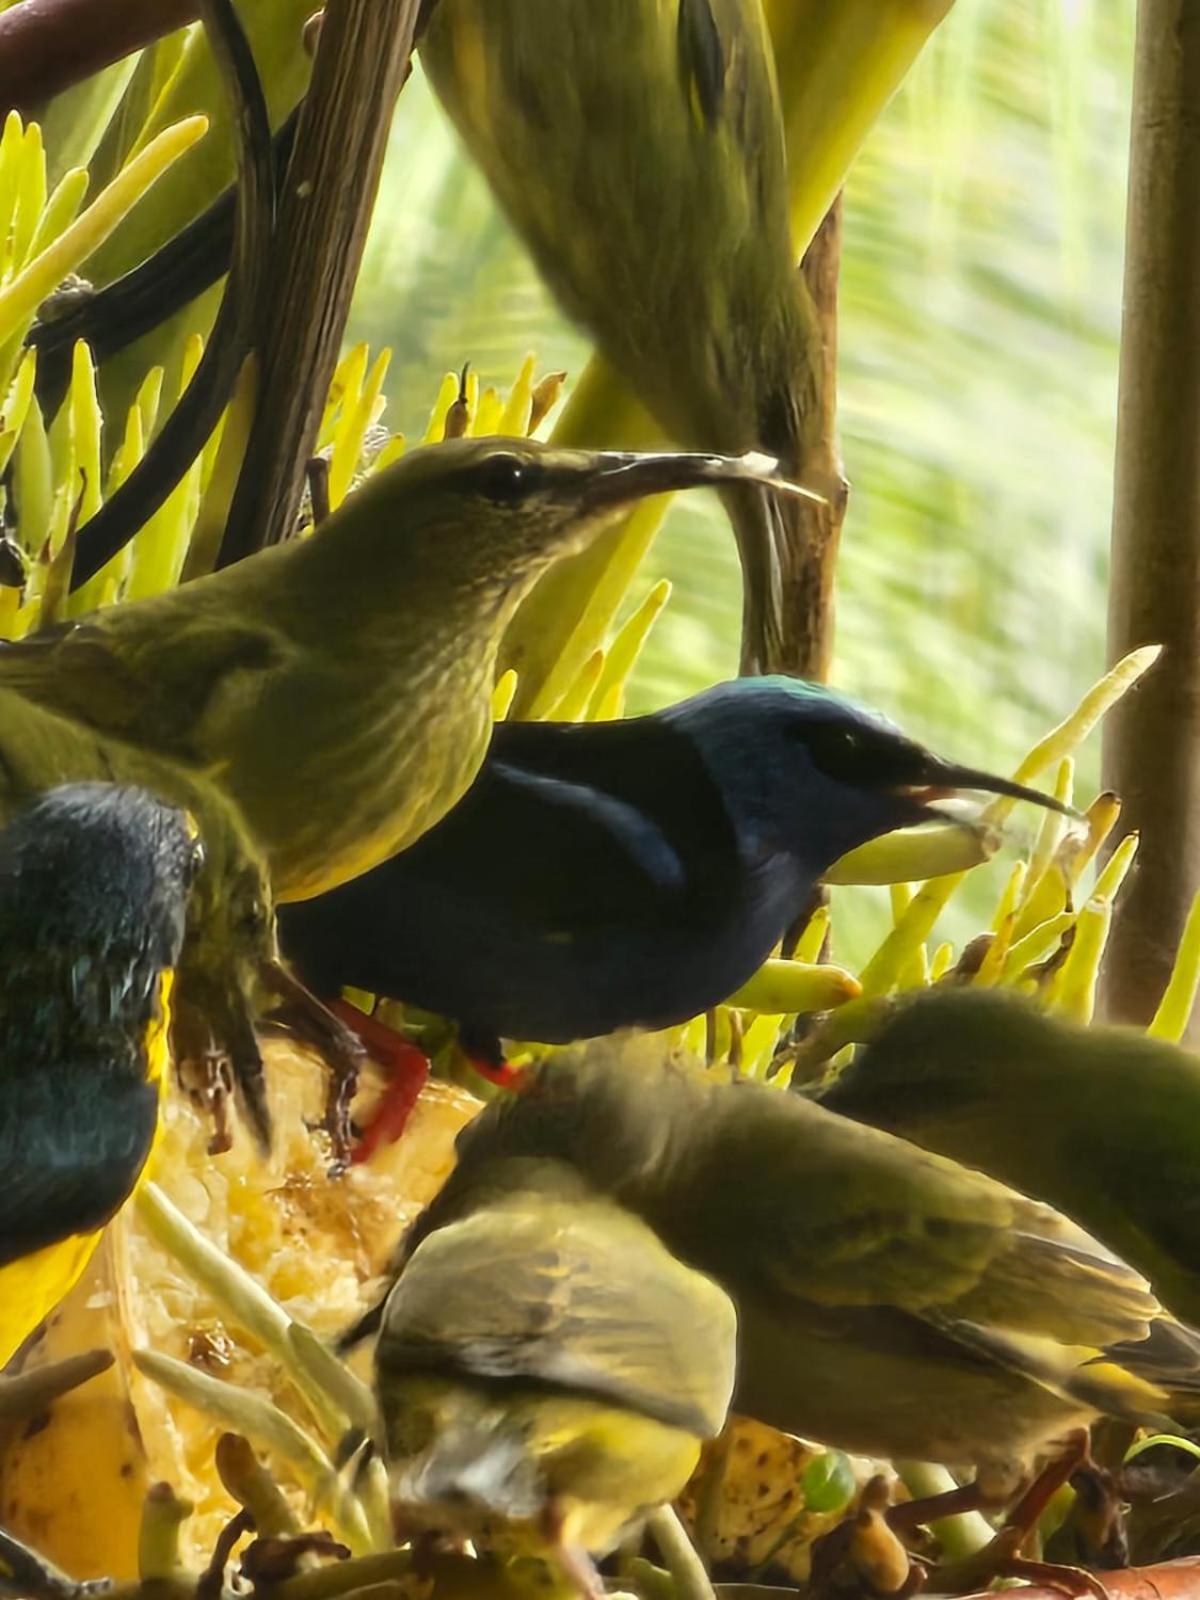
[325, 208]
[48, 45]
[1171, 1580]
[1152, 741]
[808, 567]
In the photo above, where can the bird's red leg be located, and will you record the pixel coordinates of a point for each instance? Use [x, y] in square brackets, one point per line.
[484, 1052]
[407, 1069]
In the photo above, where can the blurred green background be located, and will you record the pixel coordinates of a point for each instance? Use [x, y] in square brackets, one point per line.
[980, 315]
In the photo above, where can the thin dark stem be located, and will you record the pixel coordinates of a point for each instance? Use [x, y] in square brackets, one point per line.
[325, 208]
[187, 429]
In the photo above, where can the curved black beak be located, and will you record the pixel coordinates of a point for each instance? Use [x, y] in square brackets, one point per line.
[943, 780]
[616, 478]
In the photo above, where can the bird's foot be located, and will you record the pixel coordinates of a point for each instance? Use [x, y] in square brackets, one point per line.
[338, 1044]
[203, 1072]
[1001, 1558]
[408, 1073]
[483, 1051]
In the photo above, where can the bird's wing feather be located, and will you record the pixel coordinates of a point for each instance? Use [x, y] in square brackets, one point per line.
[574, 1293]
[869, 1219]
[66, 1170]
[132, 675]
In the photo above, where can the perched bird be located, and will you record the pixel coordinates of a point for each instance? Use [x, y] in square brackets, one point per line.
[94, 884]
[339, 686]
[632, 873]
[229, 963]
[888, 1301]
[546, 1371]
[638, 149]
[1099, 1121]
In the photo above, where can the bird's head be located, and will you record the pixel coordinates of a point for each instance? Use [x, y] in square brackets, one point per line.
[230, 939]
[94, 887]
[812, 773]
[496, 511]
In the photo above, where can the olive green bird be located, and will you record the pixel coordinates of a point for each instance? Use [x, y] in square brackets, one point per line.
[637, 147]
[94, 885]
[889, 1302]
[229, 961]
[1101, 1122]
[546, 1372]
[339, 686]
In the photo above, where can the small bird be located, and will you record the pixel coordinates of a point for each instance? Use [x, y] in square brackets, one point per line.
[546, 1371]
[229, 965]
[1101, 1122]
[625, 874]
[638, 149]
[889, 1302]
[94, 885]
[338, 687]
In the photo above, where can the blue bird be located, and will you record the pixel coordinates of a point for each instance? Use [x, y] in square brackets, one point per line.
[625, 874]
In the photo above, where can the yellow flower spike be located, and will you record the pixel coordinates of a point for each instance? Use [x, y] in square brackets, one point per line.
[626, 648]
[1175, 1008]
[1047, 900]
[487, 419]
[604, 601]
[1045, 850]
[782, 986]
[1073, 992]
[391, 452]
[60, 210]
[344, 389]
[159, 549]
[218, 493]
[718, 1033]
[12, 160]
[1003, 923]
[915, 854]
[546, 394]
[1073, 730]
[915, 972]
[882, 971]
[1115, 869]
[1077, 854]
[514, 418]
[16, 407]
[610, 706]
[149, 398]
[900, 894]
[22, 295]
[692, 1036]
[943, 960]
[33, 472]
[446, 396]
[31, 197]
[86, 425]
[573, 704]
[812, 940]
[503, 695]
[1036, 945]
[355, 422]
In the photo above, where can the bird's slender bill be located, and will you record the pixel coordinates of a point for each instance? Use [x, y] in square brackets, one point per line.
[942, 780]
[617, 477]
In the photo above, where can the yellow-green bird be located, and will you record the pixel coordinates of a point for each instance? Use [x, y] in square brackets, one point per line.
[889, 1301]
[339, 686]
[94, 885]
[1102, 1122]
[229, 946]
[546, 1371]
[637, 146]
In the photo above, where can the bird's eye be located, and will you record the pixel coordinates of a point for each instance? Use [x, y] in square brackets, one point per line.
[842, 753]
[504, 478]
